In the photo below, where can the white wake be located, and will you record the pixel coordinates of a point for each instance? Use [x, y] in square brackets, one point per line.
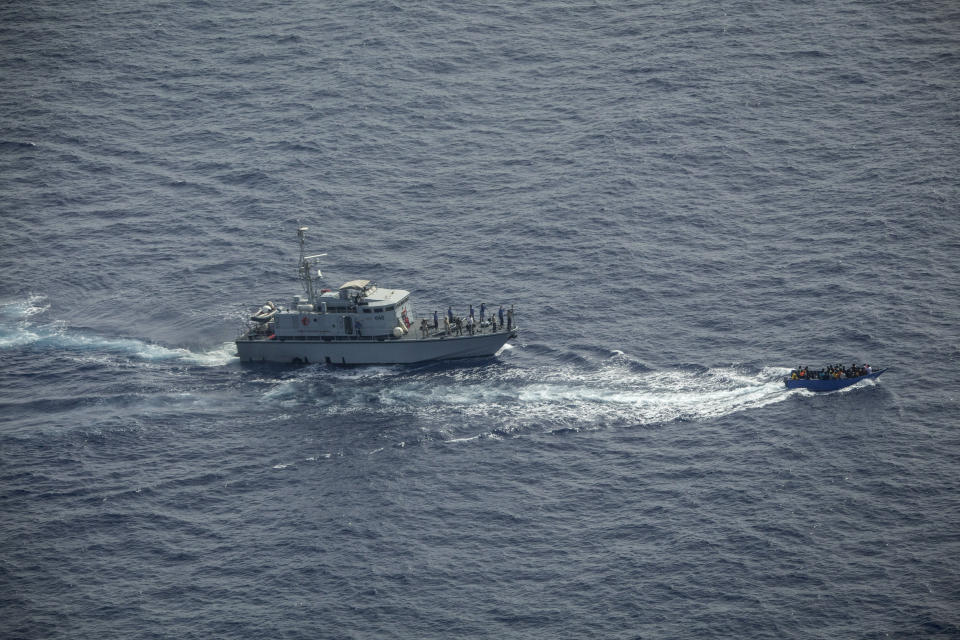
[21, 326]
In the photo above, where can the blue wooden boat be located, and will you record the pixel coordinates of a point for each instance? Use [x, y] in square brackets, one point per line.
[831, 384]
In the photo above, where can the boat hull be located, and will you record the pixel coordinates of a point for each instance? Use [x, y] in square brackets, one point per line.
[832, 384]
[371, 351]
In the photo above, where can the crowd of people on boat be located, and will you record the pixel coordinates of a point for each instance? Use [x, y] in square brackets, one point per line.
[457, 325]
[830, 372]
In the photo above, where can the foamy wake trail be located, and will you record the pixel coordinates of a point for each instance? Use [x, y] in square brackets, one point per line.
[19, 327]
[501, 400]
[618, 394]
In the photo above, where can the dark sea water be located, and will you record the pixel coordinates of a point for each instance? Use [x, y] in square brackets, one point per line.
[683, 200]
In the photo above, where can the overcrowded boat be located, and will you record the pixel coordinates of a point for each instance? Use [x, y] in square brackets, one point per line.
[830, 378]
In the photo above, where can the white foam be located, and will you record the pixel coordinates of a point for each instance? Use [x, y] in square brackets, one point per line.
[17, 329]
[578, 396]
[139, 349]
[33, 305]
[17, 338]
[466, 439]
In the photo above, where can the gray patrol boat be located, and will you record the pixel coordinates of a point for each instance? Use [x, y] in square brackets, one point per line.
[361, 323]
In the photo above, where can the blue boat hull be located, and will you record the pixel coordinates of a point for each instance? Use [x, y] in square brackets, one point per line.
[832, 384]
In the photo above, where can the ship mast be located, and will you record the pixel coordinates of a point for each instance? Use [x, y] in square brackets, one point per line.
[307, 264]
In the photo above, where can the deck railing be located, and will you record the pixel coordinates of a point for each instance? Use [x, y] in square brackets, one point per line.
[413, 332]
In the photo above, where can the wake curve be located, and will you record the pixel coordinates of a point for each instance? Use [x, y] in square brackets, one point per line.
[573, 396]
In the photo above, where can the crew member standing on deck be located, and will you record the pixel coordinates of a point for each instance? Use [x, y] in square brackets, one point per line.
[436, 321]
[450, 314]
[510, 319]
[483, 310]
[500, 313]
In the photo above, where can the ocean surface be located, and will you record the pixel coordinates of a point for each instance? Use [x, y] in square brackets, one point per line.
[682, 200]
